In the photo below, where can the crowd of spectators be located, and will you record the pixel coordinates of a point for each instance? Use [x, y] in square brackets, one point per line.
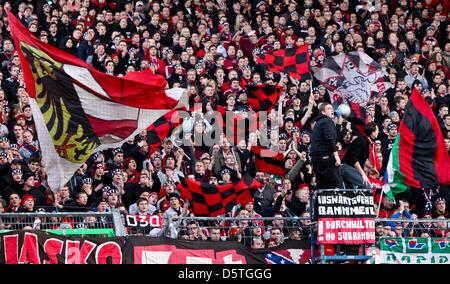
[209, 47]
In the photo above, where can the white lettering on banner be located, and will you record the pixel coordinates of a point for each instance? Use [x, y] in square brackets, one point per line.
[229, 260]
[143, 221]
[348, 211]
[198, 260]
[350, 224]
[155, 257]
[355, 236]
[330, 236]
[342, 200]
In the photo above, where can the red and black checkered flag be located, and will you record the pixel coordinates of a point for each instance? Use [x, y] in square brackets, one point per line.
[238, 126]
[294, 61]
[162, 128]
[213, 200]
[262, 97]
[269, 161]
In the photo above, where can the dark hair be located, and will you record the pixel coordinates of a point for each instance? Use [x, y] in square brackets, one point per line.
[322, 106]
[370, 128]
[399, 99]
[80, 193]
[140, 200]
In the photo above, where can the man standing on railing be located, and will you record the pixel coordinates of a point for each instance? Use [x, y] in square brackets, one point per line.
[324, 155]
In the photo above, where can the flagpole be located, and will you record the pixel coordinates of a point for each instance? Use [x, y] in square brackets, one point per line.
[234, 155]
[379, 203]
[170, 139]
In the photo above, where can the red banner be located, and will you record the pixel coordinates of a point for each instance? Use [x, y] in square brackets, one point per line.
[346, 231]
[38, 247]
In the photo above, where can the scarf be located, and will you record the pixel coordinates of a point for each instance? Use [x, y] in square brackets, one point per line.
[373, 158]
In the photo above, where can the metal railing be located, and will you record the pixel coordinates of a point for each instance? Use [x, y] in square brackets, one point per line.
[65, 223]
[250, 231]
[419, 228]
[243, 229]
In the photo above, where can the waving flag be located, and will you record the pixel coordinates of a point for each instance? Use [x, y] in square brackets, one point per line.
[213, 200]
[357, 116]
[418, 157]
[269, 161]
[263, 97]
[352, 77]
[294, 61]
[277, 258]
[237, 126]
[79, 110]
[162, 128]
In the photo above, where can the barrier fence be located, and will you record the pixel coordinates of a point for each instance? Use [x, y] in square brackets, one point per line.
[398, 240]
[107, 224]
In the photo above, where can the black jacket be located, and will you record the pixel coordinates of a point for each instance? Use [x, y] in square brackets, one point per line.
[358, 151]
[296, 206]
[323, 140]
[38, 193]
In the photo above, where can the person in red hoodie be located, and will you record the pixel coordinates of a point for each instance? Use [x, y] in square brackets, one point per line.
[157, 65]
[248, 43]
[231, 61]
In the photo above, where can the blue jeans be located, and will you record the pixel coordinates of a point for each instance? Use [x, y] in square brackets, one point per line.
[351, 176]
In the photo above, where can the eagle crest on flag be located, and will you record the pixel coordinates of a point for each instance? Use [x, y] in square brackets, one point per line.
[78, 110]
[73, 137]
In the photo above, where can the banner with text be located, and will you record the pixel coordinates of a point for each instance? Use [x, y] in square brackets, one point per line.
[346, 217]
[414, 251]
[141, 250]
[143, 221]
[38, 247]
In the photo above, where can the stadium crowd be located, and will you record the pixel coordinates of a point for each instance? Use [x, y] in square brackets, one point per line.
[210, 48]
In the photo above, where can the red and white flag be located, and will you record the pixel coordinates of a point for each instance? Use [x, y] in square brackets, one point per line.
[79, 110]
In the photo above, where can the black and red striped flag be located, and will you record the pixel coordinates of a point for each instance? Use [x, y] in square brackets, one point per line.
[269, 161]
[419, 157]
[213, 200]
[262, 97]
[357, 116]
[294, 61]
[162, 128]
